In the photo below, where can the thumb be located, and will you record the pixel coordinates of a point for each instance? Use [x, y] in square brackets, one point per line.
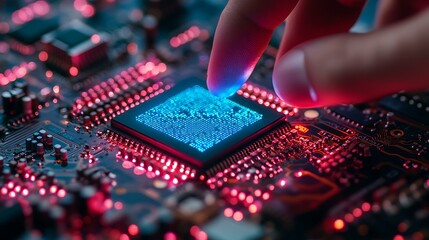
[352, 68]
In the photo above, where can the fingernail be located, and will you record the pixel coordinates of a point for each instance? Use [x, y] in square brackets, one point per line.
[226, 84]
[224, 91]
[291, 82]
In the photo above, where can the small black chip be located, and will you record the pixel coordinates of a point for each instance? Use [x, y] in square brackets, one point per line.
[72, 37]
[191, 123]
[75, 47]
[31, 32]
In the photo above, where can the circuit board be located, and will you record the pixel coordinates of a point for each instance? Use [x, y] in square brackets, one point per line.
[109, 132]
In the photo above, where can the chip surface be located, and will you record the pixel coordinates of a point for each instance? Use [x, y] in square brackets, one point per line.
[195, 125]
[31, 32]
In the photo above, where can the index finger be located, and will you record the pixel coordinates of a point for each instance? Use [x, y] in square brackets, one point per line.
[243, 32]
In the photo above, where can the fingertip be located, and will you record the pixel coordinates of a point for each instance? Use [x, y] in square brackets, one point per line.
[291, 82]
[225, 86]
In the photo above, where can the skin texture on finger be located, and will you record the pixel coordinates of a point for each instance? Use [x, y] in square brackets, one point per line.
[351, 68]
[243, 32]
[314, 19]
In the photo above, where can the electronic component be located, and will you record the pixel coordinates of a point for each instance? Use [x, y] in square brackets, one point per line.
[353, 116]
[193, 206]
[415, 106]
[31, 32]
[195, 125]
[107, 131]
[75, 47]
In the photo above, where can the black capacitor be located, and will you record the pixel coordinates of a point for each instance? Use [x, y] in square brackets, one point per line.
[35, 135]
[64, 154]
[26, 105]
[33, 145]
[22, 163]
[40, 149]
[39, 139]
[51, 175]
[93, 116]
[43, 133]
[34, 102]
[8, 103]
[28, 144]
[86, 193]
[57, 149]
[49, 141]
[1, 162]
[86, 121]
[13, 164]
[100, 112]
[21, 84]
[17, 95]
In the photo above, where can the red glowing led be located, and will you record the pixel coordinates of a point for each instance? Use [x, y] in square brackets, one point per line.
[12, 194]
[194, 230]
[124, 237]
[238, 216]
[133, 230]
[201, 235]
[339, 224]
[398, 237]
[42, 191]
[25, 192]
[61, 193]
[357, 212]
[253, 208]
[53, 189]
[95, 38]
[118, 205]
[228, 212]
[73, 71]
[43, 56]
[349, 217]
[265, 196]
[170, 236]
[366, 207]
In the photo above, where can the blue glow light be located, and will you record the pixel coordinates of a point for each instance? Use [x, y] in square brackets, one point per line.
[197, 118]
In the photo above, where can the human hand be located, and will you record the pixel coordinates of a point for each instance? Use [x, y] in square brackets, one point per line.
[319, 63]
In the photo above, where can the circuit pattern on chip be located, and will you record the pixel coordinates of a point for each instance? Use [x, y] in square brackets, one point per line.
[189, 122]
[199, 119]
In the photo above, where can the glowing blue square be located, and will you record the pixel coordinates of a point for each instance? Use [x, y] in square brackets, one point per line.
[199, 119]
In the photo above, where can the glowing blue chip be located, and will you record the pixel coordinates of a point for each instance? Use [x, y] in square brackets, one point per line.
[191, 123]
[199, 119]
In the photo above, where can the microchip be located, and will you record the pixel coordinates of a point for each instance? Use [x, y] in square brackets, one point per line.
[191, 123]
[75, 46]
[31, 32]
